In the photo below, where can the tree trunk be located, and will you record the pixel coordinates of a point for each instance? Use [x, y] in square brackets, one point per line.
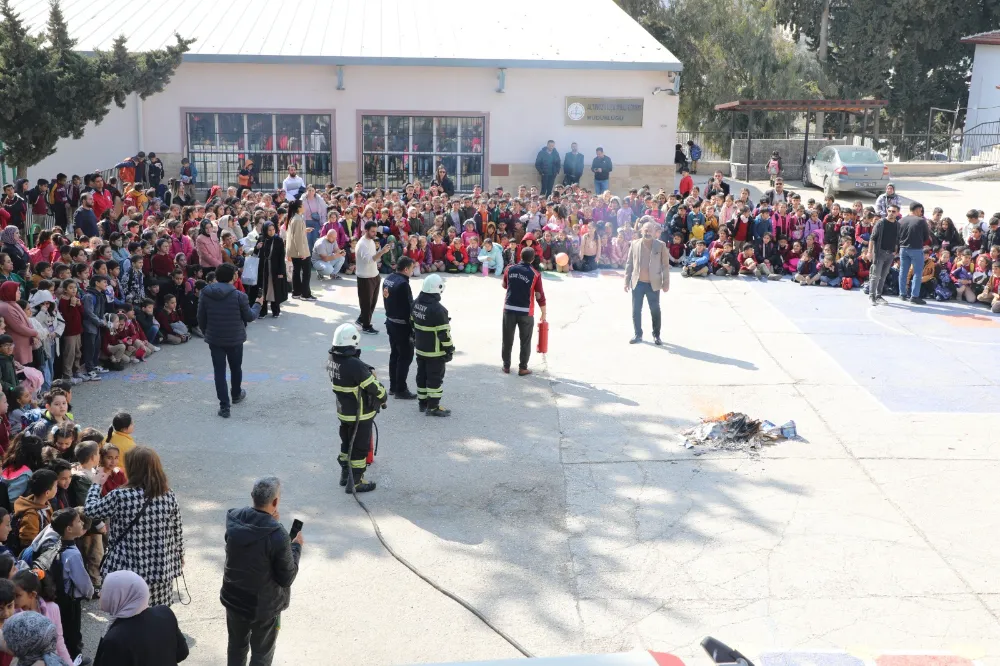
[22, 172]
[821, 52]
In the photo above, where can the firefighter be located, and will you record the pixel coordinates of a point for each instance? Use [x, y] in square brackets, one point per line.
[398, 301]
[432, 339]
[359, 398]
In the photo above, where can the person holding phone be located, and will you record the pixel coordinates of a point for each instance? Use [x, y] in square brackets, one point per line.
[262, 561]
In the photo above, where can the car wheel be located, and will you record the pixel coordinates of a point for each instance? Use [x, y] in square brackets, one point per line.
[828, 188]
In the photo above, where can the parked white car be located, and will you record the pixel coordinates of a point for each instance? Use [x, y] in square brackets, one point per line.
[847, 169]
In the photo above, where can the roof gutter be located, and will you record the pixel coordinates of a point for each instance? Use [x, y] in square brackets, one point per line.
[256, 59]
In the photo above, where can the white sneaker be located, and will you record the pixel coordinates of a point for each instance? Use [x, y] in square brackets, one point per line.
[101, 370]
[92, 377]
[156, 349]
[133, 360]
[76, 380]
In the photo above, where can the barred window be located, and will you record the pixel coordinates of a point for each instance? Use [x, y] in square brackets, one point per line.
[397, 150]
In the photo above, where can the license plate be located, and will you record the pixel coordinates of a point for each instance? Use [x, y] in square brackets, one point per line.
[865, 184]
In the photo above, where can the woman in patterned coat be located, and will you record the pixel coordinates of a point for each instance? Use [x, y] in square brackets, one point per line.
[146, 535]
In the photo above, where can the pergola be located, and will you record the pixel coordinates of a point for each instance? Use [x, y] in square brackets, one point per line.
[842, 106]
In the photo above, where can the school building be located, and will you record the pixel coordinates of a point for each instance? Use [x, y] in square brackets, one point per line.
[381, 91]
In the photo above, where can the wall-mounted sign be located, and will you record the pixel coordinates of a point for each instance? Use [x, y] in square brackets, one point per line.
[604, 111]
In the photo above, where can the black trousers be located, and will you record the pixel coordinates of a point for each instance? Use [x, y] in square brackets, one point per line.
[301, 274]
[400, 355]
[547, 183]
[70, 611]
[525, 325]
[652, 296]
[220, 357]
[362, 442]
[368, 298]
[430, 377]
[257, 637]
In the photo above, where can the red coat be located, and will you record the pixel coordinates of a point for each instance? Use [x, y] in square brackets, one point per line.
[457, 255]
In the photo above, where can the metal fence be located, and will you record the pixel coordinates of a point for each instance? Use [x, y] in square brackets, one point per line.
[977, 144]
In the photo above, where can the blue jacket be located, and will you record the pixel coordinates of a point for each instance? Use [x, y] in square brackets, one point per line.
[492, 259]
[95, 305]
[698, 261]
[761, 225]
[223, 314]
[693, 219]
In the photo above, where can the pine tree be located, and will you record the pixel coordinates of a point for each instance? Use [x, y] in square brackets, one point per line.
[55, 91]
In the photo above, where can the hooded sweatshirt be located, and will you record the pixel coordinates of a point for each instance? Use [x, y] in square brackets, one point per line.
[36, 515]
[261, 565]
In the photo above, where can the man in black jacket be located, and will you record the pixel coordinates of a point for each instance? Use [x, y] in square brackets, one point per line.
[547, 164]
[261, 565]
[223, 315]
[398, 301]
[572, 166]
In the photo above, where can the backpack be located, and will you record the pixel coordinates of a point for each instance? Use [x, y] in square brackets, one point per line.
[846, 283]
[14, 538]
[49, 562]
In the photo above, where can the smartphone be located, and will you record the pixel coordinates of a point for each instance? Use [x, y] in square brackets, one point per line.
[296, 528]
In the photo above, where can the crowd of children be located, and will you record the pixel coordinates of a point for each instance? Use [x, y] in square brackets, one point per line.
[821, 243]
[51, 550]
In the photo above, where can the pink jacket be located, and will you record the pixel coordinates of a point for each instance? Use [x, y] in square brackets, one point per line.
[51, 610]
[19, 328]
[209, 250]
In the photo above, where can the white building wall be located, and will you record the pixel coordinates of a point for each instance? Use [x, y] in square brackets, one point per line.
[101, 147]
[984, 96]
[520, 119]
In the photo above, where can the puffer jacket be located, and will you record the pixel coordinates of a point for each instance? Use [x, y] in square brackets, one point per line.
[223, 314]
[261, 565]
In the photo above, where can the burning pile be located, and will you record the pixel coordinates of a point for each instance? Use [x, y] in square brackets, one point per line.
[735, 431]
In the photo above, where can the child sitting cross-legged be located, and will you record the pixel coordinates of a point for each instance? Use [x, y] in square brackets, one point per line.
[807, 272]
[697, 262]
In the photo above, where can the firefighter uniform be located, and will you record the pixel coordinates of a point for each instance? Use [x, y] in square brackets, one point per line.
[359, 398]
[434, 348]
[398, 301]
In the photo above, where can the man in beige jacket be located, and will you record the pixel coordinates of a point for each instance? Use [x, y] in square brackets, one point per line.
[647, 271]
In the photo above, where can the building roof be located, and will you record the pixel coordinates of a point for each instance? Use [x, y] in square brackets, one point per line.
[798, 105]
[991, 37]
[544, 34]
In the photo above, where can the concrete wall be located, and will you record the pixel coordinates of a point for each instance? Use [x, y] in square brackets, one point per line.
[984, 97]
[520, 120]
[760, 153]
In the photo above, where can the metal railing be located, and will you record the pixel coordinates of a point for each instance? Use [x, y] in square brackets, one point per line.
[977, 144]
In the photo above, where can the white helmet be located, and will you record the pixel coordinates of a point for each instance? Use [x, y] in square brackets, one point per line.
[433, 284]
[346, 335]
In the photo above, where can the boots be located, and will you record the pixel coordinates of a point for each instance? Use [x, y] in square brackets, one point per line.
[422, 405]
[437, 411]
[356, 482]
[343, 474]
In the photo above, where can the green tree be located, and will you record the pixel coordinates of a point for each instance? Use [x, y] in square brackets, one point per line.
[58, 90]
[732, 51]
[905, 51]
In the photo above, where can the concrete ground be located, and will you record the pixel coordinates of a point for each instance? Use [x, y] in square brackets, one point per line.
[564, 504]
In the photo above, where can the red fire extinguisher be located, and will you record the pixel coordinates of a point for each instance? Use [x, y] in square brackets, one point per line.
[543, 337]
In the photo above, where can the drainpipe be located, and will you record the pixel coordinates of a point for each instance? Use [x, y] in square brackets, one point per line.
[138, 123]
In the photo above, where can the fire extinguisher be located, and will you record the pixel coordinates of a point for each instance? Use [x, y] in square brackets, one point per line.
[373, 444]
[543, 337]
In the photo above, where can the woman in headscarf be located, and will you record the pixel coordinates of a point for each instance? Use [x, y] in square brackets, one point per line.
[139, 635]
[10, 237]
[146, 532]
[271, 271]
[207, 245]
[18, 326]
[228, 223]
[32, 638]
